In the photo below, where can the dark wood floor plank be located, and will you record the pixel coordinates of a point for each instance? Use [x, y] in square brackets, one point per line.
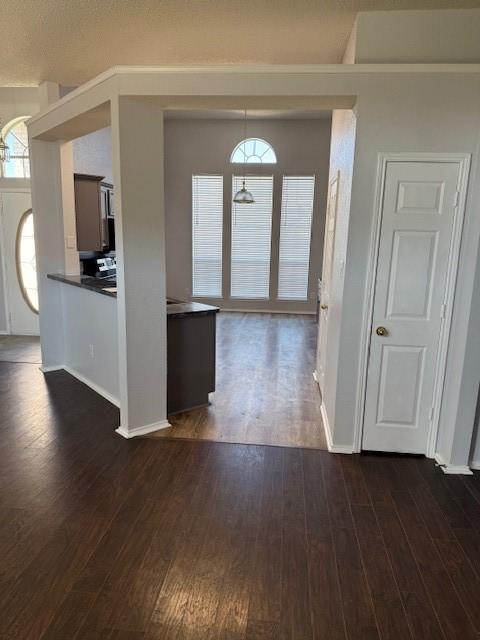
[358, 611]
[266, 580]
[390, 613]
[449, 609]
[296, 605]
[327, 613]
[421, 616]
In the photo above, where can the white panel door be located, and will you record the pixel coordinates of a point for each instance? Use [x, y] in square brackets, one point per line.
[419, 204]
[23, 321]
[328, 251]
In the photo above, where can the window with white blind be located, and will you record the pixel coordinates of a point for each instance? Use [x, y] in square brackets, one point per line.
[295, 233]
[251, 237]
[207, 227]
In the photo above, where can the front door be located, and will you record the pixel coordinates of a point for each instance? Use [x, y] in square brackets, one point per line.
[417, 216]
[328, 251]
[23, 319]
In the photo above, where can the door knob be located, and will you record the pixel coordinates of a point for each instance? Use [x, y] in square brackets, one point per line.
[324, 306]
[381, 331]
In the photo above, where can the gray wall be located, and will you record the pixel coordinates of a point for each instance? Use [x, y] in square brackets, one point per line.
[204, 146]
[450, 35]
[92, 154]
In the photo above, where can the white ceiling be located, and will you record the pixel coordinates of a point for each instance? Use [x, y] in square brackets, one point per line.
[71, 42]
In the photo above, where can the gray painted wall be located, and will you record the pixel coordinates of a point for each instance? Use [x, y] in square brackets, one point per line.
[204, 146]
[92, 154]
[449, 35]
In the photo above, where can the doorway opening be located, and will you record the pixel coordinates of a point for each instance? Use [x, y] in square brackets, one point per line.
[260, 263]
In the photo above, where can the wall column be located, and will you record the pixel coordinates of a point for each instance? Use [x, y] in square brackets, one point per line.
[138, 172]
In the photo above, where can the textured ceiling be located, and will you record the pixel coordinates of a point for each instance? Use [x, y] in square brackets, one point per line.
[70, 41]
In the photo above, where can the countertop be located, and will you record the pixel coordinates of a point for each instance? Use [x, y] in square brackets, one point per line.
[106, 287]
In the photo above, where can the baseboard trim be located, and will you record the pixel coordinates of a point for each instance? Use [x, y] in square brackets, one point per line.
[97, 388]
[55, 367]
[301, 312]
[333, 448]
[452, 469]
[475, 465]
[4, 332]
[143, 431]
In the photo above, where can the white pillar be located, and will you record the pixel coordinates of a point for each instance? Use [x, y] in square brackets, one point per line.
[47, 206]
[137, 153]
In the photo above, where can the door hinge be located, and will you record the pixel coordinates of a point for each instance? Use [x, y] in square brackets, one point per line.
[456, 198]
[443, 311]
[430, 414]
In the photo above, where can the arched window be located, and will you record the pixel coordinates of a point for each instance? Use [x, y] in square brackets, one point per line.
[253, 151]
[26, 263]
[16, 136]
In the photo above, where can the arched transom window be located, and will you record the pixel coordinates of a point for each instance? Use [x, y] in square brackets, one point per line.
[253, 151]
[16, 136]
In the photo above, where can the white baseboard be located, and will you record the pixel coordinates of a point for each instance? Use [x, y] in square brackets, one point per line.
[55, 367]
[302, 313]
[4, 332]
[333, 448]
[143, 431]
[100, 390]
[475, 465]
[452, 469]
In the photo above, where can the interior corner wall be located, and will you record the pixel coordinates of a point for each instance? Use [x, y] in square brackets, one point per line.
[408, 113]
[14, 103]
[414, 36]
[205, 146]
[342, 151]
[92, 154]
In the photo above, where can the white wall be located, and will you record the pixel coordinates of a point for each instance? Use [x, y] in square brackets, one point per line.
[204, 146]
[411, 114]
[92, 154]
[449, 35]
[341, 160]
[91, 319]
[14, 102]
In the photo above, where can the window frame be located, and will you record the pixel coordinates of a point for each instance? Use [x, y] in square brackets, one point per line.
[245, 159]
[18, 262]
[5, 132]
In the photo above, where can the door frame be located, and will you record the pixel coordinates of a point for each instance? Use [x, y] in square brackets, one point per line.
[6, 301]
[383, 158]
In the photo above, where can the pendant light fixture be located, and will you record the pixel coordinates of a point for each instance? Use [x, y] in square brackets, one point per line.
[243, 196]
[4, 150]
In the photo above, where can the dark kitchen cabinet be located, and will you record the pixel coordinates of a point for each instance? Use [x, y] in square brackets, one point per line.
[92, 206]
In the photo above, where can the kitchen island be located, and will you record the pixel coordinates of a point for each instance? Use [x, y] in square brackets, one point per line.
[191, 338]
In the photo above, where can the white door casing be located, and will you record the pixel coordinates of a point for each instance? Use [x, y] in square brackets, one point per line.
[22, 320]
[325, 289]
[418, 236]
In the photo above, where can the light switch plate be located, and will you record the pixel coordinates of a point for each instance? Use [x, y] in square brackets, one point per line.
[71, 244]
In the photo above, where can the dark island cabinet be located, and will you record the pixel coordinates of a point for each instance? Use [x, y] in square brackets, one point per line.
[190, 360]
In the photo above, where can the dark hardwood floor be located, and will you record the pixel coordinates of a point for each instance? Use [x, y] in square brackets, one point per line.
[104, 538]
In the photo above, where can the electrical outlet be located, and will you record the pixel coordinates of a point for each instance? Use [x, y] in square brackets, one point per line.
[91, 351]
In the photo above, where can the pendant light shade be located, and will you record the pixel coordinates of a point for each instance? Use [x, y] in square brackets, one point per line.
[243, 196]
